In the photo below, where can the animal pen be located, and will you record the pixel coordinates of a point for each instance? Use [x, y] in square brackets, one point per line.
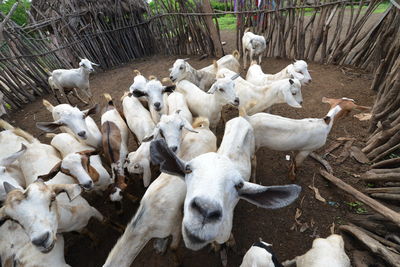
[113, 33]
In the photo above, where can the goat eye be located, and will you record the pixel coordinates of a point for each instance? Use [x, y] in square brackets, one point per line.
[293, 93]
[181, 127]
[188, 169]
[239, 186]
[181, 68]
[221, 90]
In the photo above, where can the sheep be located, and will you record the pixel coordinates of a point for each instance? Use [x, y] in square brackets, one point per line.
[177, 101]
[160, 212]
[71, 120]
[260, 255]
[138, 118]
[154, 92]
[282, 91]
[253, 44]
[170, 128]
[203, 78]
[87, 160]
[115, 143]
[209, 105]
[216, 181]
[72, 79]
[328, 252]
[16, 247]
[6, 176]
[305, 135]
[297, 70]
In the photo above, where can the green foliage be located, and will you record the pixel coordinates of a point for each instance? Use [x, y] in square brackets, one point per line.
[222, 6]
[357, 207]
[227, 22]
[19, 16]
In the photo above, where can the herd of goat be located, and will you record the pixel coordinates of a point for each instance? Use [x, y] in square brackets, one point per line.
[174, 126]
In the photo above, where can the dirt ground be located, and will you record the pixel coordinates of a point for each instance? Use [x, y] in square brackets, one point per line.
[250, 223]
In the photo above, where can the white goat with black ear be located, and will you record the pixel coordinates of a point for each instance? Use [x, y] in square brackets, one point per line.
[297, 70]
[115, 143]
[160, 212]
[170, 128]
[209, 105]
[73, 121]
[6, 176]
[328, 252]
[305, 135]
[283, 91]
[16, 247]
[154, 92]
[137, 117]
[72, 79]
[216, 181]
[253, 44]
[85, 159]
[260, 255]
[205, 77]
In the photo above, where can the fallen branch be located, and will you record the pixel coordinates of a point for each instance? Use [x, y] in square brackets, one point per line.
[330, 148]
[358, 155]
[324, 163]
[372, 203]
[6, 19]
[373, 245]
[393, 190]
[380, 239]
[346, 151]
[382, 177]
[386, 196]
[386, 163]
[380, 171]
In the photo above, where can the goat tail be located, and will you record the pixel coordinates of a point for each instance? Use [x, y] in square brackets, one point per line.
[50, 135]
[30, 138]
[109, 99]
[5, 125]
[236, 54]
[125, 95]
[201, 122]
[137, 72]
[48, 105]
[152, 77]
[247, 29]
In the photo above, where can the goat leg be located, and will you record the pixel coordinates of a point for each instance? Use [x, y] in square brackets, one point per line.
[77, 96]
[292, 170]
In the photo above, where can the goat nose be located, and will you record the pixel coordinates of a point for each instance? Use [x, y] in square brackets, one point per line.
[174, 148]
[41, 240]
[88, 185]
[237, 101]
[171, 77]
[301, 102]
[157, 104]
[82, 134]
[210, 212]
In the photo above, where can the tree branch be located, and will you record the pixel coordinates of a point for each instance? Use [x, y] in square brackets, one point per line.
[6, 19]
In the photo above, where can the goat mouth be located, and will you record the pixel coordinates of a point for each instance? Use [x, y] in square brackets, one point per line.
[49, 248]
[193, 238]
[157, 109]
[173, 79]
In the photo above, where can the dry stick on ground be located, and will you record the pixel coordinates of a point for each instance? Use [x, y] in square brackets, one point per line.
[387, 163]
[393, 190]
[324, 163]
[382, 177]
[386, 196]
[392, 258]
[375, 205]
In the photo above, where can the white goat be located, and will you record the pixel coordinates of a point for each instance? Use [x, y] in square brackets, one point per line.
[209, 105]
[260, 255]
[115, 143]
[282, 91]
[91, 164]
[6, 176]
[170, 128]
[16, 247]
[305, 135]
[297, 70]
[216, 181]
[177, 102]
[253, 44]
[72, 79]
[203, 78]
[160, 212]
[327, 252]
[2, 104]
[71, 120]
[153, 91]
[137, 117]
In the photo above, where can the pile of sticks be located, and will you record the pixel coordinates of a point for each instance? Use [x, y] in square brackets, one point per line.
[379, 232]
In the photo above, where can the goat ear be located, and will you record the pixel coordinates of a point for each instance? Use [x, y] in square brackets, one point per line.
[89, 153]
[91, 111]
[9, 187]
[289, 99]
[294, 73]
[72, 190]
[53, 172]
[138, 93]
[269, 197]
[13, 157]
[188, 126]
[154, 135]
[169, 163]
[49, 126]
[169, 88]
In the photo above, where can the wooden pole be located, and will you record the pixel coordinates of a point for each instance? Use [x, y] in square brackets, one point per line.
[218, 50]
